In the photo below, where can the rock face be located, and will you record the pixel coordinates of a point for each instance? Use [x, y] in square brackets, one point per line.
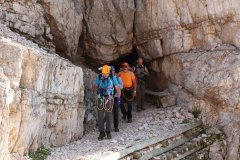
[48, 107]
[209, 82]
[169, 27]
[55, 24]
[209, 76]
[89, 78]
[108, 26]
[194, 45]
[108, 29]
[230, 123]
[6, 98]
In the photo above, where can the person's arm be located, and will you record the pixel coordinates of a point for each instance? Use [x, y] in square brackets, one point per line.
[134, 84]
[146, 71]
[120, 82]
[116, 84]
[118, 91]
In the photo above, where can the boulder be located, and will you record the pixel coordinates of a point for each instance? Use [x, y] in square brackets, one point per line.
[230, 124]
[215, 151]
[108, 29]
[168, 100]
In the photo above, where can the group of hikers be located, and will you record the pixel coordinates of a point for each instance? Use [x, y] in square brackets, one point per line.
[114, 90]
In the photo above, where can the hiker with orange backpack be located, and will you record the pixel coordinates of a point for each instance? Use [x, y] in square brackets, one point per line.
[140, 72]
[128, 91]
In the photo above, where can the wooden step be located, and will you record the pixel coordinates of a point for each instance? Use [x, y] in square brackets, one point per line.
[158, 94]
[161, 99]
[197, 149]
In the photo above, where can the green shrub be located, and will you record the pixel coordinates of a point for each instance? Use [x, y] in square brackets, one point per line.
[196, 113]
[40, 154]
[185, 121]
[215, 137]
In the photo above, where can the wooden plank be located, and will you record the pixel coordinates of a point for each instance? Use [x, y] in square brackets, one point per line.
[188, 153]
[159, 94]
[171, 146]
[155, 140]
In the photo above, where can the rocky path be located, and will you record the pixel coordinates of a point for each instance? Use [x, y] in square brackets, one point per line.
[147, 124]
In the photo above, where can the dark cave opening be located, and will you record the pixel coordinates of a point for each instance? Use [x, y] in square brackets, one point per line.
[131, 59]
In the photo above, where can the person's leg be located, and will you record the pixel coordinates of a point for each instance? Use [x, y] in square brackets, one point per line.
[100, 121]
[129, 112]
[139, 97]
[115, 114]
[123, 109]
[143, 96]
[109, 119]
[129, 94]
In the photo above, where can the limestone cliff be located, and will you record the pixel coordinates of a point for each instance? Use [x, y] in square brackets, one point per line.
[51, 23]
[47, 107]
[6, 98]
[108, 29]
[195, 46]
[169, 27]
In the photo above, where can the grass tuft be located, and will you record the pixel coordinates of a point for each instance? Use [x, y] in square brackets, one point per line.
[196, 113]
[185, 121]
[40, 154]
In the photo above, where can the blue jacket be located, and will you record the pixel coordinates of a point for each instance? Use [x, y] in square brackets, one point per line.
[106, 85]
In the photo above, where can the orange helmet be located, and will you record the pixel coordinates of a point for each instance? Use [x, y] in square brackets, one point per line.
[125, 65]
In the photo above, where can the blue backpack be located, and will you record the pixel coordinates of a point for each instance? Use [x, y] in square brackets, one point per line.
[103, 89]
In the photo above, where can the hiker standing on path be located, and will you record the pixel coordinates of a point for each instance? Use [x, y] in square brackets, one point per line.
[106, 83]
[140, 72]
[128, 91]
[117, 100]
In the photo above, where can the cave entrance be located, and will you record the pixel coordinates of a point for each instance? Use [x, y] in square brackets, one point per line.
[131, 59]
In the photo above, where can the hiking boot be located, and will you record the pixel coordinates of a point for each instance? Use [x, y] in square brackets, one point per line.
[129, 120]
[109, 135]
[139, 110]
[101, 136]
[116, 130]
[142, 108]
[124, 117]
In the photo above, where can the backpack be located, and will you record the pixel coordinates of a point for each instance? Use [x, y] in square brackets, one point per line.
[142, 68]
[104, 91]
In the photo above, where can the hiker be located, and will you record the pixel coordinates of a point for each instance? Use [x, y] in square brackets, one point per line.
[140, 72]
[105, 86]
[117, 100]
[128, 91]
